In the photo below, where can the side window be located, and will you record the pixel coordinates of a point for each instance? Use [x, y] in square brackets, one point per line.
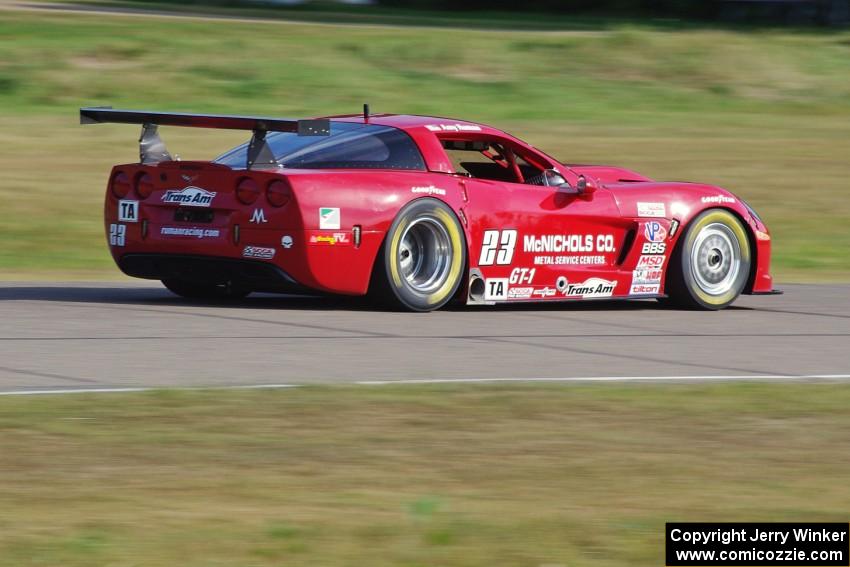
[349, 145]
[491, 160]
[481, 160]
[386, 148]
[531, 174]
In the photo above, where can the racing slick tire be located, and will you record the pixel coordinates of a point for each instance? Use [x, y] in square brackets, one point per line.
[194, 290]
[711, 263]
[421, 263]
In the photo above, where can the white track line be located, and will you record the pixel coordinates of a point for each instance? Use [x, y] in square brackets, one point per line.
[608, 379]
[108, 390]
[73, 391]
[718, 378]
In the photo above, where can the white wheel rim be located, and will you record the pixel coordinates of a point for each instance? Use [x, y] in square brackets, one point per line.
[425, 254]
[716, 259]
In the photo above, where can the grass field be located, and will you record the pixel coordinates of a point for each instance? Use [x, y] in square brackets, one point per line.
[519, 475]
[763, 113]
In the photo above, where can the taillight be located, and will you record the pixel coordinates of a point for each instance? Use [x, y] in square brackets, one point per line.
[278, 193]
[247, 190]
[144, 185]
[120, 185]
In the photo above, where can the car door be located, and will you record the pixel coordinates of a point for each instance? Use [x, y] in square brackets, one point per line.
[531, 242]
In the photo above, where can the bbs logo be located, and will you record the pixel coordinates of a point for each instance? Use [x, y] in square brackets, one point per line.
[654, 248]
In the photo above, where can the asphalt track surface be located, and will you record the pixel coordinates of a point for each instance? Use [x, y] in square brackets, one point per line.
[126, 335]
[276, 19]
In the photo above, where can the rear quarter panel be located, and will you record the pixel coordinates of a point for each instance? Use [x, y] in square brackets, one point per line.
[368, 199]
[321, 256]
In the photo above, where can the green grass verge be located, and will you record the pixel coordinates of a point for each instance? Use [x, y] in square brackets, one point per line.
[493, 475]
[763, 113]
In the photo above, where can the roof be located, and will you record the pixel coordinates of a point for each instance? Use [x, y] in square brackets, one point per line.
[425, 130]
[411, 121]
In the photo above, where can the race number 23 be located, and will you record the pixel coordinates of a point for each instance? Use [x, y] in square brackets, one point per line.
[497, 247]
[117, 233]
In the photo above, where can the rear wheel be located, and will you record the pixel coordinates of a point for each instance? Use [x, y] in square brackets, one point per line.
[194, 290]
[711, 264]
[421, 263]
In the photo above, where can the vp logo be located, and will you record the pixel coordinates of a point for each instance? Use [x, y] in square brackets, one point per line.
[258, 217]
[654, 232]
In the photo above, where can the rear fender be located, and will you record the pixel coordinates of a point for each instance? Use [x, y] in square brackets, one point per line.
[367, 201]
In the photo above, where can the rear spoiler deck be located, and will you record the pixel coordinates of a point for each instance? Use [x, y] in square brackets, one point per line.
[152, 149]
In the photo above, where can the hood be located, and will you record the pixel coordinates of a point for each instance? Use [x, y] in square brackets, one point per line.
[607, 174]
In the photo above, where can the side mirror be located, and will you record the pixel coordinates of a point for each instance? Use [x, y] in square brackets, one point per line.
[551, 178]
[585, 187]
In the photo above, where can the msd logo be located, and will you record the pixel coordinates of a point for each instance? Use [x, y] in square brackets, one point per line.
[189, 197]
[650, 262]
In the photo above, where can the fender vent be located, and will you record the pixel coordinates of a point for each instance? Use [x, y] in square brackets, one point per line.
[628, 242]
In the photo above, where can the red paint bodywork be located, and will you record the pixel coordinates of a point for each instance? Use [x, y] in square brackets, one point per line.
[607, 218]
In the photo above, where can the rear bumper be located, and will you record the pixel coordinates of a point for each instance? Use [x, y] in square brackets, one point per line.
[250, 274]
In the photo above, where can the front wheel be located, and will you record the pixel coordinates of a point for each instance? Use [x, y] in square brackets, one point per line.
[421, 263]
[194, 290]
[711, 264]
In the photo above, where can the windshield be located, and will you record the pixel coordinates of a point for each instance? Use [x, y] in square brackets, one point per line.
[349, 146]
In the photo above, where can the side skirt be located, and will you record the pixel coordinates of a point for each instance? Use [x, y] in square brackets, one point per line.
[568, 300]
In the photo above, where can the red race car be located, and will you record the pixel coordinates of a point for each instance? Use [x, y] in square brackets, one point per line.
[418, 210]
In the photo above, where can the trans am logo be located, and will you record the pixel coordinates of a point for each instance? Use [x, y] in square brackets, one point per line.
[593, 287]
[189, 197]
[654, 232]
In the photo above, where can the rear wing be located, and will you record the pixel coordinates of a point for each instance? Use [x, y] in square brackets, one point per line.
[152, 149]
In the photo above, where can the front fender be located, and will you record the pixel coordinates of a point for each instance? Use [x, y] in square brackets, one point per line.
[710, 197]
